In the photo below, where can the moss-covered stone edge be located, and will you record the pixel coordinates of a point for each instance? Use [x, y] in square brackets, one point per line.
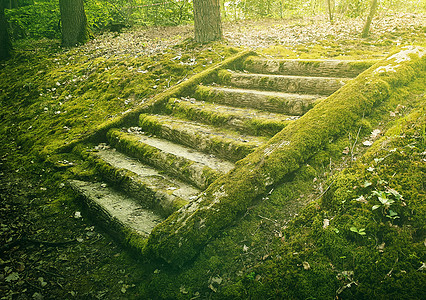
[217, 144]
[182, 235]
[129, 182]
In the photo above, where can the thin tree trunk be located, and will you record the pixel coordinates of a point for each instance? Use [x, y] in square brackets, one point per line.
[207, 23]
[330, 4]
[222, 8]
[74, 23]
[5, 44]
[366, 30]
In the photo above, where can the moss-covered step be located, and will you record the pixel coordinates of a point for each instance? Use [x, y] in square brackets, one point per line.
[307, 67]
[151, 188]
[285, 103]
[282, 83]
[244, 120]
[220, 142]
[187, 164]
[118, 214]
[180, 238]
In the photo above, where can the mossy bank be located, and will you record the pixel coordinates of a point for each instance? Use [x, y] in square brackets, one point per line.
[312, 233]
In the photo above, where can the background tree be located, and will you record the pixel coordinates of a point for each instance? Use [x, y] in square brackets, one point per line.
[75, 29]
[5, 44]
[207, 22]
[330, 6]
[366, 30]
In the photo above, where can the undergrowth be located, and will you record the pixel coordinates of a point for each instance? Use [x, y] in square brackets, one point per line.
[361, 236]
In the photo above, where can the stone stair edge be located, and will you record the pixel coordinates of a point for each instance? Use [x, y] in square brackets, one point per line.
[99, 133]
[350, 65]
[187, 170]
[128, 181]
[214, 141]
[191, 110]
[277, 102]
[120, 232]
[187, 235]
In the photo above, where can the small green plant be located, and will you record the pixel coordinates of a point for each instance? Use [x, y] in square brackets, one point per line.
[387, 199]
[385, 202]
[251, 276]
[360, 231]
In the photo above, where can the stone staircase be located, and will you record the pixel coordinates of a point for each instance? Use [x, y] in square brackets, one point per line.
[178, 147]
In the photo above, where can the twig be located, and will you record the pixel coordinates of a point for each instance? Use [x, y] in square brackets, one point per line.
[267, 219]
[354, 144]
[49, 273]
[33, 286]
[183, 79]
[325, 191]
[22, 241]
[390, 272]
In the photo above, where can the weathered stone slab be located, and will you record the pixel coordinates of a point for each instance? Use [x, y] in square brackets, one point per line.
[284, 103]
[249, 121]
[189, 165]
[283, 83]
[307, 67]
[115, 211]
[148, 186]
[222, 143]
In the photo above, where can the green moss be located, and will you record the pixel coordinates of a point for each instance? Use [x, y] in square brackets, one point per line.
[178, 166]
[224, 76]
[182, 235]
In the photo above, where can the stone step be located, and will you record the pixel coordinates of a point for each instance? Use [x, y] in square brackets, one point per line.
[307, 67]
[222, 143]
[119, 214]
[187, 164]
[244, 120]
[285, 103]
[282, 83]
[148, 186]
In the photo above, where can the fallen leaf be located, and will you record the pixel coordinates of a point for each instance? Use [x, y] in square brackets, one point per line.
[306, 265]
[12, 277]
[346, 150]
[217, 280]
[326, 223]
[183, 290]
[375, 133]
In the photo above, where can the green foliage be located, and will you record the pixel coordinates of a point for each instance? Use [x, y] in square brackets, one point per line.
[160, 12]
[353, 8]
[40, 20]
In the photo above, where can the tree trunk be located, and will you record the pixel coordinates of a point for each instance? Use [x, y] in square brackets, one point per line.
[207, 23]
[74, 23]
[5, 44]
[222, 8]
[331, 5]
[366, 30]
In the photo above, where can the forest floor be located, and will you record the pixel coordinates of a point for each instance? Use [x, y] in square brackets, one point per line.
[48, 250]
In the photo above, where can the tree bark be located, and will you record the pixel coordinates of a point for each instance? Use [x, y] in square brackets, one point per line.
[366, 30]
[5, 44]
[74, 23]
[207, 22]
[331, 5]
